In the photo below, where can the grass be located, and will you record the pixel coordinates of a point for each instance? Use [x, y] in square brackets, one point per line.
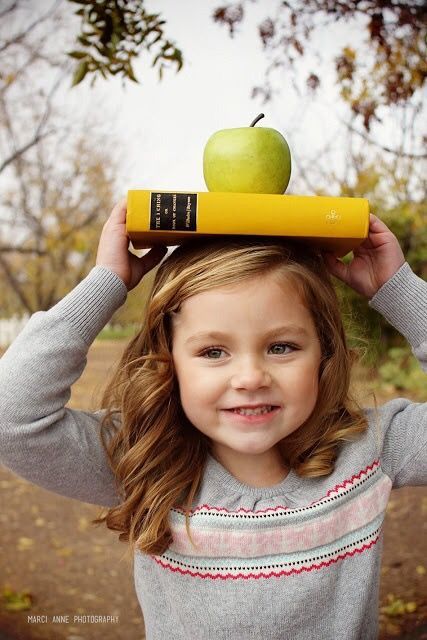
[117, 332]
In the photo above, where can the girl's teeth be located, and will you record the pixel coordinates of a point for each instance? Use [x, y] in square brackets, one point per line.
[253, 412]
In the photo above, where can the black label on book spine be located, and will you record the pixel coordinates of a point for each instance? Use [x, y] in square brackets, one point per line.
[173, 211]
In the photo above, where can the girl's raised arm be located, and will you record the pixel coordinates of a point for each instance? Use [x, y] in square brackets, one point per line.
[40, 439]
[378, 271]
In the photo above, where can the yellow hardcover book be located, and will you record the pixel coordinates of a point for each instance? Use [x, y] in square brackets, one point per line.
[172, 217]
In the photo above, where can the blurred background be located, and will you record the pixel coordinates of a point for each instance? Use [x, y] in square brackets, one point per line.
[97, 97]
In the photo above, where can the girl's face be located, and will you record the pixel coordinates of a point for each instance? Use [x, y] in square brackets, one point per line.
[252, 346]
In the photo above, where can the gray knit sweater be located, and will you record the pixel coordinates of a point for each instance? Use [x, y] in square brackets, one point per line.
[299, 560]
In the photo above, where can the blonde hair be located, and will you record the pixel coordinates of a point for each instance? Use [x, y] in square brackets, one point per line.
[156, 454]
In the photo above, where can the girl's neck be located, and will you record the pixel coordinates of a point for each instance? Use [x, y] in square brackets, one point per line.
[253, 470]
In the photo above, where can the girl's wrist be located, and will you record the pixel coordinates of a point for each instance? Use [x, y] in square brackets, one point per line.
[389, 274]
[113, 269]
[402, 301]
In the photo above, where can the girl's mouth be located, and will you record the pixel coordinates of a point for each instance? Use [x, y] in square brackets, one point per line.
[253, 416]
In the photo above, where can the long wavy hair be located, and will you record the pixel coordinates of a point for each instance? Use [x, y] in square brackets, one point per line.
[156, 454]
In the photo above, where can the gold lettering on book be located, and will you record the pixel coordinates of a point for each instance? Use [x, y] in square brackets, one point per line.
[158, 209]
[333, 217]
[174, 211]
[188, 213]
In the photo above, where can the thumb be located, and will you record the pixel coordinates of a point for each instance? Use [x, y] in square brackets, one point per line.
[335, 266]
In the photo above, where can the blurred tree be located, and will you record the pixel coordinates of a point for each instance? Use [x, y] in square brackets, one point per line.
[54, 211]
[385, 181]
[25, 58]
[388, 69]
[57, 176]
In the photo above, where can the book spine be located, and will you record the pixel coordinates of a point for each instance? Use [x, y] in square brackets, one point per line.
[182, 214]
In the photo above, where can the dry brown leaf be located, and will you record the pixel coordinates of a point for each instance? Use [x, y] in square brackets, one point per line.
[392, 629]
[64, 552]
[56, 542]
[397, 606]
[15, 600]
[24, 544]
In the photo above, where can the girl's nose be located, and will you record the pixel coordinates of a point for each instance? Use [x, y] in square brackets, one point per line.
[251, 377]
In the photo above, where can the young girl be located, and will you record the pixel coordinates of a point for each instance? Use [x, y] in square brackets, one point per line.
[249, 486]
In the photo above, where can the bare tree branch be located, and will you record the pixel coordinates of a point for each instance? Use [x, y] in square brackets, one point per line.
[21, 36]
[39, 133]
[84, 223]
[20, 151]
[15, 285]
[20, 249]
[18, 162]
[10, 9]
[369, 140]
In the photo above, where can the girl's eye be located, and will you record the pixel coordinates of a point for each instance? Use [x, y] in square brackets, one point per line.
[283, 347]
[205, 353]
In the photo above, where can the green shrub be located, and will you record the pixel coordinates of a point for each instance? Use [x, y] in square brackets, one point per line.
[402, 372]
[117, 332]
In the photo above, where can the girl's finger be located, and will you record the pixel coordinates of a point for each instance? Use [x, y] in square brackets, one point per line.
[118, 214]
[376, 225]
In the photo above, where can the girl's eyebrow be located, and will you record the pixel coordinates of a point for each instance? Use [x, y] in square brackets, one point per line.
[293, 329]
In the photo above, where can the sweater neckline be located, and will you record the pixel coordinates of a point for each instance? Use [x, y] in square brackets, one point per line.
[216, 473]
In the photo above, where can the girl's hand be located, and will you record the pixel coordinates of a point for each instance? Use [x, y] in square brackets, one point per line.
[374, 262]
[113, 250]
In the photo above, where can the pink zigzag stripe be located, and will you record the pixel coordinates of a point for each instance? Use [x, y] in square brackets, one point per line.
[313, 567]
[281, 508]
[354, 477]
[213, 508]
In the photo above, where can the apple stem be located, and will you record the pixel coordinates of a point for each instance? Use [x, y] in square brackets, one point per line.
[261, 115]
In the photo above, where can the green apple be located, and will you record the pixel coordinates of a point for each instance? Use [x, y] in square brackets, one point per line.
[247, 160]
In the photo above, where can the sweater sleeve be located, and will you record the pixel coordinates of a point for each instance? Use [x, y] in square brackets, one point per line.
[40, 439]
[402, 425]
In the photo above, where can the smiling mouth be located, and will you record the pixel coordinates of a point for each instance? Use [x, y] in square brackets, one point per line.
[255, 411]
